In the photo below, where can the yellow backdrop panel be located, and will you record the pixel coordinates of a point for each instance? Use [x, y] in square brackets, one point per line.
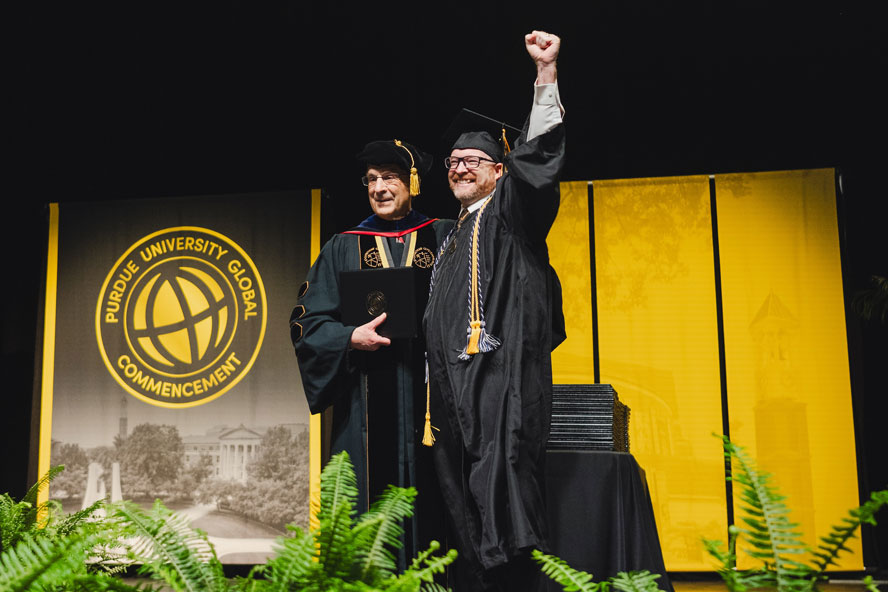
[568, 243]
[658, 344]
[789, 397]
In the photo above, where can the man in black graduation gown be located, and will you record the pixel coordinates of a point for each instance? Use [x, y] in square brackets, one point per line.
[493, 317]
[373, 385]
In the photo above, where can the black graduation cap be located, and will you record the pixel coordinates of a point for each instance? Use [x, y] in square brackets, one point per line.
[406, 156]
[471, 129]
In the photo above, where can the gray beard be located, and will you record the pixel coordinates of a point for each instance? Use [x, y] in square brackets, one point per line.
[470, 198]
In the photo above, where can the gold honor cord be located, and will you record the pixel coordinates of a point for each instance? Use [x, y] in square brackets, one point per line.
[479, 340]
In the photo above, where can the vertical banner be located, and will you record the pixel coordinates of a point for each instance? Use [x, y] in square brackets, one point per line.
[568, 242]
[658, 343]
[789, 393]
[168, 368]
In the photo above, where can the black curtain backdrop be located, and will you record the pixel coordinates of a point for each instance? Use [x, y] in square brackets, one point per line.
[146, 99]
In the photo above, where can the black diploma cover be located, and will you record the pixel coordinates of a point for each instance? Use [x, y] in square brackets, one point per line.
[367, 293]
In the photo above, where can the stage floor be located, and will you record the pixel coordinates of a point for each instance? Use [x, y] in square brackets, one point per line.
[683, 585]
[719, 586]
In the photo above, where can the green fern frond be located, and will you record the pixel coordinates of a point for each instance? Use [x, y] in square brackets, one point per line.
[344, 556]
[27, 517]
[421, 573]
[31, 496]
[834, 543]
[636, 581]
[727, 559]
[102, 582]
[572, 580]
[434, 565]
[336, 545]
[75, 520]
[43, 562]
[870, 584]
[336, 516]
[13, 523]
[379, 530]
[170, 549]
[293, 563]
[771, 535]
[250, 583]
[338, 486]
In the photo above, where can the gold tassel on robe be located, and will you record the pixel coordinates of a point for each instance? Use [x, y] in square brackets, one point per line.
[478, 340]
[428, 438]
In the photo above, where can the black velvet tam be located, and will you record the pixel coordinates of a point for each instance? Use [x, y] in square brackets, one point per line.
[382, 152]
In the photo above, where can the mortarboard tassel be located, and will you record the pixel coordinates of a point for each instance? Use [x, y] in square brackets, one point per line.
[414, 174]
[506, 149]
[414, 182]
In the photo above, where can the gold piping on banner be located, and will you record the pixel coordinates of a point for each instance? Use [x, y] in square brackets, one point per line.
[49, 325]
[314, 446]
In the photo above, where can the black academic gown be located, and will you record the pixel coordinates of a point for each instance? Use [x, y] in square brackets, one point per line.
[494, 409]
[377, 399]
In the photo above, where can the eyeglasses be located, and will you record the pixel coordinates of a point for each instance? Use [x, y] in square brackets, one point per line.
[390, 179]
[471, 162]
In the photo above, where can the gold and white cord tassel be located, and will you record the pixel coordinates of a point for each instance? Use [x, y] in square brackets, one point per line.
[428, 438]
[477, 338]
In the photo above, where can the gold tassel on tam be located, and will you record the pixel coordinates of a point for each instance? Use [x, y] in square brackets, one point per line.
[414, 182]
[414, 174]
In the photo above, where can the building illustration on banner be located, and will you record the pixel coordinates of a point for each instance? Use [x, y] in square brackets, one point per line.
[224, 457]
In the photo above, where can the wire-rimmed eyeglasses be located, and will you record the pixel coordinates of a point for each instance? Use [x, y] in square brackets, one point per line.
[389, 179]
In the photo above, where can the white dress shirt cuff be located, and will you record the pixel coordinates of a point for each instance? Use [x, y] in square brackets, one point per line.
[547, 110]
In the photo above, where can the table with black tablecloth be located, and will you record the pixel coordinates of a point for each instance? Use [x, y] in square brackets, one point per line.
[600, 515]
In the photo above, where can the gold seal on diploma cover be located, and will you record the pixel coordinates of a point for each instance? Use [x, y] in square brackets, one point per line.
[376, 303]
[181, 317]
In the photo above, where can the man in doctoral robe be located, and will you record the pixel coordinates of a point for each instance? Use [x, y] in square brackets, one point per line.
[374, 386]
[493, 317]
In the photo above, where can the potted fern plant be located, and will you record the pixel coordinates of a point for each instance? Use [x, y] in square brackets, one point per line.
[771, 539]
[81, 552]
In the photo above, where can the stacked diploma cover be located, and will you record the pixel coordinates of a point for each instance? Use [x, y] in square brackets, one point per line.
[588, 417]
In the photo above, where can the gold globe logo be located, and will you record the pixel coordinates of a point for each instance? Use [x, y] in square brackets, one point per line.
[181, 317]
